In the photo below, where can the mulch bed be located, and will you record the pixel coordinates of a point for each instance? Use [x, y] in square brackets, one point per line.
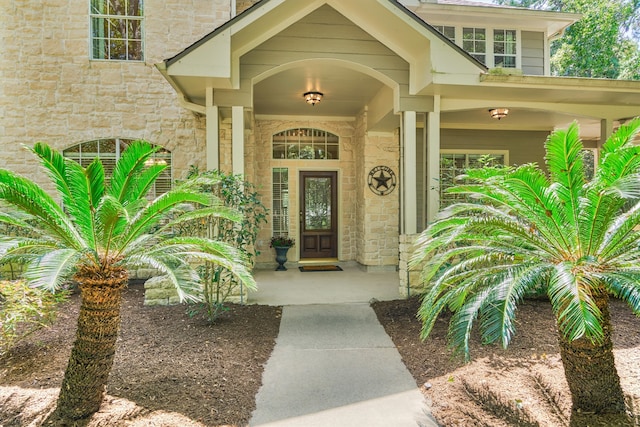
[168, 366]
[173, 370]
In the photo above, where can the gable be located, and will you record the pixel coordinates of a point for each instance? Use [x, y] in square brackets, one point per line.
[216, 59]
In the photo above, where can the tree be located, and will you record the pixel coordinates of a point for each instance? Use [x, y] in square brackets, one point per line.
[576, 240]
[99, 231]
[604, 43]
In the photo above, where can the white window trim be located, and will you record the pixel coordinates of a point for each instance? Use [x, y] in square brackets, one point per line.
[142, 35]
[489, 54]
[504, 153]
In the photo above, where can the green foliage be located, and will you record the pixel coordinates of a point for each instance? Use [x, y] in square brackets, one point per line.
[572, 237]
[103, 226]
[103, 231]
[218, 283]
[281, 242]
[23, 310]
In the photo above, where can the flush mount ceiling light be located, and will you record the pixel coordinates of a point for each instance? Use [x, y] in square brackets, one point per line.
[313, 97]
[498, 113]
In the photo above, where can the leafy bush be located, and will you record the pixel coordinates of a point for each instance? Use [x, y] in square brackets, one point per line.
[219, 284]
[23, 310]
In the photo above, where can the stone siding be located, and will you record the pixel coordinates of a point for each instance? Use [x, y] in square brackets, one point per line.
[51, 91]
[160, 291]
[409, 278]
[260, 149]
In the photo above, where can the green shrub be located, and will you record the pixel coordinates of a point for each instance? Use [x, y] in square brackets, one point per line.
[24, 310]
[219, 284]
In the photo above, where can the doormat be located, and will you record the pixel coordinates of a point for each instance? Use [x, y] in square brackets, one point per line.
[306, 268]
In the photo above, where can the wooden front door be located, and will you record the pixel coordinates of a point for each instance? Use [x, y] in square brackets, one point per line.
[318, 214]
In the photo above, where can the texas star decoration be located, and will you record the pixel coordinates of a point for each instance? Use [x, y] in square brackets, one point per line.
[382, 180]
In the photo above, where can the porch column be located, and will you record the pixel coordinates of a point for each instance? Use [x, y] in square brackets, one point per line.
[410, 211]
[606, 129]
[433, 160]
[237, 139]
[212, 132]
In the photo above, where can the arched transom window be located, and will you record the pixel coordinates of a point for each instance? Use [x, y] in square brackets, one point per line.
[108, 151]
[306, 143]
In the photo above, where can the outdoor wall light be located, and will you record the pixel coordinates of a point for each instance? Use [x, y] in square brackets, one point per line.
[498, 113]
[313, 97]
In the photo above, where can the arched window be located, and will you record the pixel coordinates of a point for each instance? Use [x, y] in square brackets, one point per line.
[306, 143]
[108, 151]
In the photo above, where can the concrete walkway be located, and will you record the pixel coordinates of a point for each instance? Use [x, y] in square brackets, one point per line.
[334, 365]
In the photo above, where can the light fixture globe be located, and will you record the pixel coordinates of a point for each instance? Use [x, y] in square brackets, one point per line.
[498, 113]
[313, 97]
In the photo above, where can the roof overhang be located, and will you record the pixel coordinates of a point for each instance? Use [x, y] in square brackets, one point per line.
[551, 23]
[214, 61]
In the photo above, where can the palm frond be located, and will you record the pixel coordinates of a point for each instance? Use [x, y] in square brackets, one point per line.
[497, 318]
[463, 319]
[183, 277]
[127, 171]
[209, 250]
[621, 138]
[81, 209]
[624, 284]
[617, 165]
[53, 269]
[13, 219]
[28, 197]
[111, 219]
[157, 210]
[221, 212]
[55, 165]
[564, 161]
[576, 312]
[146, 179]
[620, 233]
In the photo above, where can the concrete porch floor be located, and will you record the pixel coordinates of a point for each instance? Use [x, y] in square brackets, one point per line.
[352, 285]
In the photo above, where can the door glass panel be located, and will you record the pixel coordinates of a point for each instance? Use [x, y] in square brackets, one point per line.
[317, 203]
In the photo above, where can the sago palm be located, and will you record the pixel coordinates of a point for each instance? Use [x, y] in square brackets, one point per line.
[524, 230]
[93, 237]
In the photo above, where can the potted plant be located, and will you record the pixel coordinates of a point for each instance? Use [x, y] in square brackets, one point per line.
[281, 244]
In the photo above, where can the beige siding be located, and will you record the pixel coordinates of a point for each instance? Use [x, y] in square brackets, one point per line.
[324, 33]
[523, 146]
[533, 53]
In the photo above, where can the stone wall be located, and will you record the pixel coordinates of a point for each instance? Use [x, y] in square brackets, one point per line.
[379, 214]
[409, 278]
[159, 290]
[51, 91]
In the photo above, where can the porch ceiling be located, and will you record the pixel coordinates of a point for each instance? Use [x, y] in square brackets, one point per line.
[345, 91]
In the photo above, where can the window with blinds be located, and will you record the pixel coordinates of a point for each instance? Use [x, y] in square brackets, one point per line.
[109, 150]
[280, 205]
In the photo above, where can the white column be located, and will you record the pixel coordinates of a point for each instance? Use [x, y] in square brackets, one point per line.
[433, 160]
[606, 129]
[213, 132]
[410, 211]
[237, 139]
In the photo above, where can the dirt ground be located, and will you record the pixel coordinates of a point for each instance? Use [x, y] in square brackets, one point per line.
[521, 386]
[172, 370]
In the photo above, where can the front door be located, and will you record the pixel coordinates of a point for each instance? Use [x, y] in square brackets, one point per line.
[318, 214]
